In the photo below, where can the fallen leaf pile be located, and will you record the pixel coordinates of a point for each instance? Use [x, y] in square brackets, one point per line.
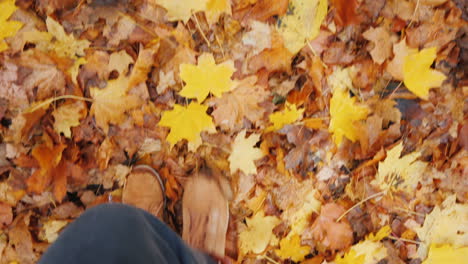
[337, 129]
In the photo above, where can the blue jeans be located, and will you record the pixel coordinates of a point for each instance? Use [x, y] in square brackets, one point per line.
[118, 234]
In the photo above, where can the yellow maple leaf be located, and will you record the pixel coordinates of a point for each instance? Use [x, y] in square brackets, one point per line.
[67, 116]
[112, 102]
[244, 154]
[418, 75]
[187, 122]
[300, 219]
[258, 233]
[302, 22]
[206, 77]
[181, 10]
[7, 28]
[446, 224]
[288, 115]
[446, 254]
[65, 45]
[351, 257]
[214, 9]
[343, 113]
[383, 232]
[291, 248]
[55, 39]
[368, 251]
[399, 173]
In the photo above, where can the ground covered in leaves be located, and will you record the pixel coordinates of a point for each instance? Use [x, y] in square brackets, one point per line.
[340, 127]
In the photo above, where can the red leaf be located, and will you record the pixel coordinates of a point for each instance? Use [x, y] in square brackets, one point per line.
[346, 12]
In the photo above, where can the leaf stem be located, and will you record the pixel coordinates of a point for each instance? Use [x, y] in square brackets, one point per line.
[51, 100]
[375, 195]
[200, 29]
[404, 240]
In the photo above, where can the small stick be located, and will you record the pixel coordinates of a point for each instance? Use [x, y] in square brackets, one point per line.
[361, 202]
[404, 240]
[51, 100]
[201, 31]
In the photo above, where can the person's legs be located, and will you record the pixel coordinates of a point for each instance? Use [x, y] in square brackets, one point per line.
[117, 233]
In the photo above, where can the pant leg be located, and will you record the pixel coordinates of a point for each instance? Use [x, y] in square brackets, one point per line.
[120, 234]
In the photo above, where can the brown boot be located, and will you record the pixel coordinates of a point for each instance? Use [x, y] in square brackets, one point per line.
[144, 189]
[205, 214]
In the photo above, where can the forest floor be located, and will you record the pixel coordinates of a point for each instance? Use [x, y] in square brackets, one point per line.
[337, 130]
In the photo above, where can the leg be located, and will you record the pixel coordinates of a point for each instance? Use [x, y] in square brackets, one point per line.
[118, 234]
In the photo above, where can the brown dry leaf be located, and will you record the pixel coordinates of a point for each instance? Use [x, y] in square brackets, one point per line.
[9, 89]
[6, 215]
[346, 12]
[20, 244]
[259, 37]
[45, 79]
[436, 32]
[330, 234]
[278, 58]
[339, 53]
[243, 101]
[105, 153]
[395, 67]
[60, 175]
[261, 11]
[381, 39]
[99, 63]
[122, 30]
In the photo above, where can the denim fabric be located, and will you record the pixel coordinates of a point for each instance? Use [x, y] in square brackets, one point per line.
[118, 234]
